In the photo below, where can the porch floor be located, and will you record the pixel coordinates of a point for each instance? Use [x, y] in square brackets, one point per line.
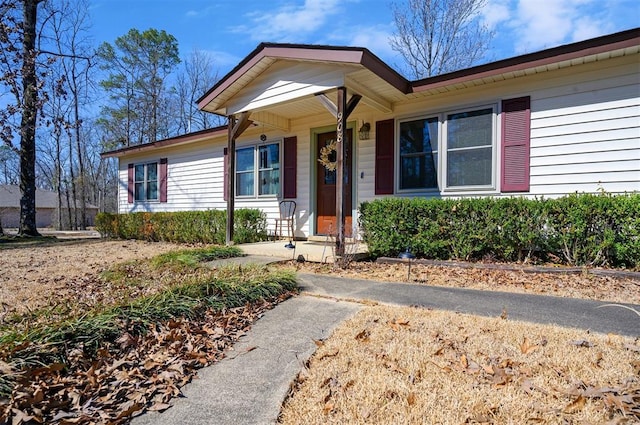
[317, 251]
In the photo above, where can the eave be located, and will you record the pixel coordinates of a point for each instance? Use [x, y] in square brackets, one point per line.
[600, 48]
[193, 137]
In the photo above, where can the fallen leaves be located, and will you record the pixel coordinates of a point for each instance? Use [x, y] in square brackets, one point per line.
[136, 374]
[527, 347]
[453, 368]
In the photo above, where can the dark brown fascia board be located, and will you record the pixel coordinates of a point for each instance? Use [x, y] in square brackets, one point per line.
[320, 53]
[185, 138]
[589, 47]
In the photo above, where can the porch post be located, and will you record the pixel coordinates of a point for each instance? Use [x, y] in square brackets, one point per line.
[236, 126]
[231, 178]
[341, 134]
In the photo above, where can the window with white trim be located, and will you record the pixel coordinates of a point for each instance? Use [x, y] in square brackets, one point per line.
[469, 144]
[146, 182]
[455, 150]
[261, 164]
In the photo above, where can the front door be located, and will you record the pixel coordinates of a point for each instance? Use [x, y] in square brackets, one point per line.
[326, 188]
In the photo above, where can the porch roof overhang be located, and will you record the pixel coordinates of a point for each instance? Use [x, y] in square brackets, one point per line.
[278, 82]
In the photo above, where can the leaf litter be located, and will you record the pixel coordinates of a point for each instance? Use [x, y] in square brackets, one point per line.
[134, 375]
[451, 368]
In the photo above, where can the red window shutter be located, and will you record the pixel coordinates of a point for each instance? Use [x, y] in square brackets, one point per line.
[225, 178]
[130, 184]
[516, 134]
[290, 167]
[163, 179]
[384, 175]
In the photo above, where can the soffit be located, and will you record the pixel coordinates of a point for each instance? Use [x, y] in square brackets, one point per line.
[461, 80]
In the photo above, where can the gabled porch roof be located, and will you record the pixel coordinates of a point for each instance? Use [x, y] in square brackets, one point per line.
[284, 78]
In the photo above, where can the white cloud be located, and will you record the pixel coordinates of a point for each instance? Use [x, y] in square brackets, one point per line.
[586, 27]
[374, 38]
[542, 24]
[200, 13]
[291, 22]
[495, 12]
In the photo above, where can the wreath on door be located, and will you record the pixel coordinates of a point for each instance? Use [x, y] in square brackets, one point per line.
[326, 154]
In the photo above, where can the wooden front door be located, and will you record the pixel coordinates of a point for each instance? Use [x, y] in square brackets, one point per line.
[326, 188]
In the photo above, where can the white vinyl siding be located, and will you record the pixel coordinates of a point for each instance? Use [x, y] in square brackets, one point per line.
[194, 182]
[286, 81]
[586, 147]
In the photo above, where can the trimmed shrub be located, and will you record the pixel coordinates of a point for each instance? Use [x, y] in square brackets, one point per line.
[581, 230]
[250, 225]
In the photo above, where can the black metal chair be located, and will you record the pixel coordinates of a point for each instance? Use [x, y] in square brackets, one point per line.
[287, 214]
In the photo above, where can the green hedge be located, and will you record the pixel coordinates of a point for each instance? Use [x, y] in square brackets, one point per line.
[583, 230]
[250, 225]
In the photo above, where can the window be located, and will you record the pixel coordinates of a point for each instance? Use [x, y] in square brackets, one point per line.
[258, 163]
[244, 171]
[269, 169]
[470, 148]
[455, 149]
[146, 182]
[419, 154]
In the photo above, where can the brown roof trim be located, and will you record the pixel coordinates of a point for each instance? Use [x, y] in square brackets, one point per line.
[592, 46]
[340, 54]
[185, 138]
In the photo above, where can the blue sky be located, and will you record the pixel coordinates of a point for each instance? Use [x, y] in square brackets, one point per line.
[230, 29]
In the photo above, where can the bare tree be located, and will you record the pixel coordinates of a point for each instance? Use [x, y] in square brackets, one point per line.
[439, 36]
[196, 77]
[69, 32]
[29, 96]
[24, 63]
[9, 169]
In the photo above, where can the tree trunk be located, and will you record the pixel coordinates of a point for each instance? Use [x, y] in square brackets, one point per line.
[81, 170]
[28, 123]
[59, 217]
[72, 179]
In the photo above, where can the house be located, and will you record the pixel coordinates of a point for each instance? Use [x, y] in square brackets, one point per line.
[46, 208]
[549, 123]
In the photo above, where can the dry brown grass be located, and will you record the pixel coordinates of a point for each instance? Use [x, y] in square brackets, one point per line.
[33, 277]
[402, 365]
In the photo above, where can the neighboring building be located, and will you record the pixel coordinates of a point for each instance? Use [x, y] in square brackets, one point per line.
[46, 208]
[549, 123]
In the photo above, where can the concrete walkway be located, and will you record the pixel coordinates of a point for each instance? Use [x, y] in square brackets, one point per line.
[596, 316]
[249, 385]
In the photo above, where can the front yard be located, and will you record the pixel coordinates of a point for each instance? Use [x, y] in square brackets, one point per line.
[152, 315]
